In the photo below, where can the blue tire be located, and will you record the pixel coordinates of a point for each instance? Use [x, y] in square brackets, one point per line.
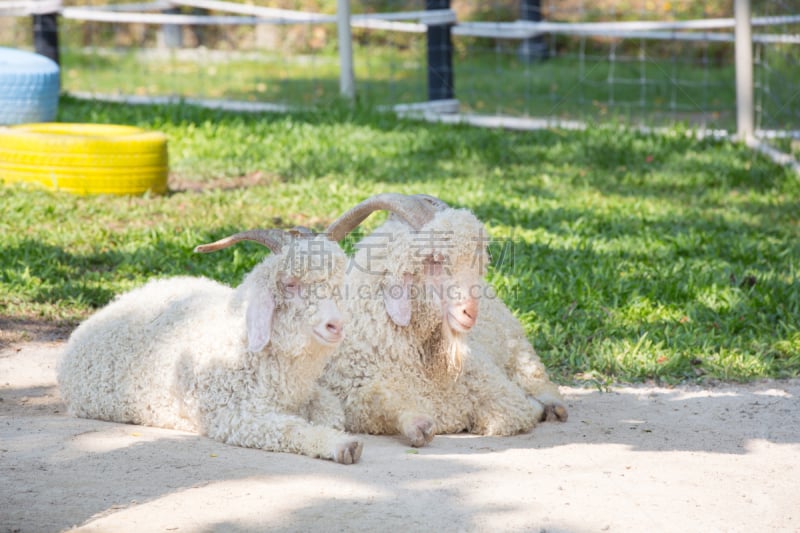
[29, 87]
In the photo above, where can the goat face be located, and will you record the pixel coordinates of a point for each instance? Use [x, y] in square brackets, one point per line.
[432, 276]
[311, 283]
[297, 309]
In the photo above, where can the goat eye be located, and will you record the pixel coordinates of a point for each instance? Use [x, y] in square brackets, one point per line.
[434, 264]
[291, 284]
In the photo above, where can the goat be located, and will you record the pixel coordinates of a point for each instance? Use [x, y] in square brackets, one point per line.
[410, 364]
[238, 365]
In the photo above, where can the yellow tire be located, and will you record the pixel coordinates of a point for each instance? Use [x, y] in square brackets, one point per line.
[85, 158]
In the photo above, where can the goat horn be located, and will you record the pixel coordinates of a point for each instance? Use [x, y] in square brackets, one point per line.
[301, 231]
[271, 238]
[413, 210]
[437, 203]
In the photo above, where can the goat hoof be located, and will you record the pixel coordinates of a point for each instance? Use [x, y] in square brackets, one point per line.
[420, 430]
[555, 412]
[348, 452]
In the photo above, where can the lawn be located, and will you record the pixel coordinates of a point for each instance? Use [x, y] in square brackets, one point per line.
[626, 256]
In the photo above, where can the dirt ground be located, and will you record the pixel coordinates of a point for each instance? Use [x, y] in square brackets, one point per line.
[639, 458]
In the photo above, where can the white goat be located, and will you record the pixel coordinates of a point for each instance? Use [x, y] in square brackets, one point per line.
[238, 365]
[410, 364]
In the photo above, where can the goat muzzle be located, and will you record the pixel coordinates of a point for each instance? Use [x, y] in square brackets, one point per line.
[463, 316]
[330, 328]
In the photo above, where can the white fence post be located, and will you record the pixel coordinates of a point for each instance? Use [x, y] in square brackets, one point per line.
[347, 83]
[744, 71]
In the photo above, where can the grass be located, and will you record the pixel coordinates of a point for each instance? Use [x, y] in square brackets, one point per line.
[627, 257]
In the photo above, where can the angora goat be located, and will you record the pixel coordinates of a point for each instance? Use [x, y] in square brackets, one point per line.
[238, 365]
[410, 364]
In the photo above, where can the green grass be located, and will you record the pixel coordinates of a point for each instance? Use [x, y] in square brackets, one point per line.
[626, 256]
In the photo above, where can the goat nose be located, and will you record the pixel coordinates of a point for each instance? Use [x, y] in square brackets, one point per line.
[471, 308]
[469, 312]
[334, 327]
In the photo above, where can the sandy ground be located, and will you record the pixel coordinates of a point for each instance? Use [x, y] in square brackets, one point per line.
[639, 458]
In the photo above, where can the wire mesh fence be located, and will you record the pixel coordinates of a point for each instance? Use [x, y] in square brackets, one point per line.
[777, 79]
[574, 74]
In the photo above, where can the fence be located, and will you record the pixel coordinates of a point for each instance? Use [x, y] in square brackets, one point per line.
[512, 64]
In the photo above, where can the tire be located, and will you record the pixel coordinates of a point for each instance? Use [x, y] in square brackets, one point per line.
[29, 87]
[85, 158]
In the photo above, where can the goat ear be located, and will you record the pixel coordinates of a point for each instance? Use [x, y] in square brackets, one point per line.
[260, 312]
[397, 300]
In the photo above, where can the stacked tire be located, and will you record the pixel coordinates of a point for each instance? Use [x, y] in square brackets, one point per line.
[29, 87]
[77, 158]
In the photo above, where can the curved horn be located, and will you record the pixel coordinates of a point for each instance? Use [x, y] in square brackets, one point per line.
[301, 232]
[271, 238]
[414, 211]
[437, 203]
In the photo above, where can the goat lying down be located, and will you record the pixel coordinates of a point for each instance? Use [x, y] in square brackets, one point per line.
[238, 365]
[418, 360]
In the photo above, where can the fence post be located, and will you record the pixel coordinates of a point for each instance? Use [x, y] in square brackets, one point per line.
[45, 35]
[170, 35]
[744, 70]
[440, 56]
[347, 83]
[534, 48]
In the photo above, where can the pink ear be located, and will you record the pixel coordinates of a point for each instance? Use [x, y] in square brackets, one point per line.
[397, 300]
[260, 311]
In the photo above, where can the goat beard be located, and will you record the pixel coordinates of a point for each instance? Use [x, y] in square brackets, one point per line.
[446, 352]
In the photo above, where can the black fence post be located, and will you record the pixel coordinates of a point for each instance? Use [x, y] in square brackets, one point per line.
[440, 56]
[534, 48]
[45, 35]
